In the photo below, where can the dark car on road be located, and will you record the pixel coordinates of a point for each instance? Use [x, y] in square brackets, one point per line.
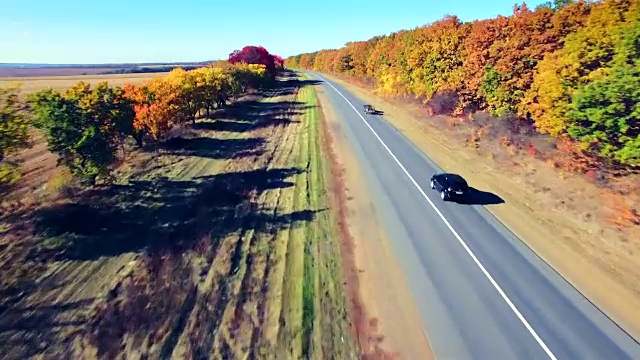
[450, 186]
[368, 109]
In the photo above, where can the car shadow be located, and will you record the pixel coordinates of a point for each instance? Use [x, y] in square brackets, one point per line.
[479, 197]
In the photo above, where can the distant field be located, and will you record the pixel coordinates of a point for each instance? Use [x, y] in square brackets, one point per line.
[52, 71]
[35, 83]
[28, 71]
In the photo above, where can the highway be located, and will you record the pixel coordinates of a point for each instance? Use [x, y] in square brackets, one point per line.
[481, 293]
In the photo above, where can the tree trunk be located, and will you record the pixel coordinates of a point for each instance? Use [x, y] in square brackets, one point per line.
[138, 138]
[122, 148]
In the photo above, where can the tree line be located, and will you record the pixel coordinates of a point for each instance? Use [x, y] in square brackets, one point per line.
[570, 68]
[86, 126]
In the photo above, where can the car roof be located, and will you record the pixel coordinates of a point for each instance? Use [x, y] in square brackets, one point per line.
[453, 177]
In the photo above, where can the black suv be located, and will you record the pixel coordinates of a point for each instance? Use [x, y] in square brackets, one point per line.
[449, 185]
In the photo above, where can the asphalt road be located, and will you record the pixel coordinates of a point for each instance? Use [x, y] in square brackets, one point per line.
[481, 293]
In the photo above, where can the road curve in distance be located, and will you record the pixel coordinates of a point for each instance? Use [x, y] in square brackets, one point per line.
[481, 292]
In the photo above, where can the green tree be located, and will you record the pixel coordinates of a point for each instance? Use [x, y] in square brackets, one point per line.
[498, 100]
[605, 114]
[82, 126]
[14, 133]
[108, 104]
[555, 4]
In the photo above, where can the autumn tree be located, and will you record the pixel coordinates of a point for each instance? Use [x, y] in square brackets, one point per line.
[292, 61]
[211, 83]
[343, 63]
[14, 133]
[157, 107]
[187, 92]
[279, 61]
[254, 55]
[110, 105]
[323, 60]
[555, 66]
[165, 102]
[307, 60]
[249, 76]
[388, 63]
[455, 57]
[360, 52]
[434, 58]
[586, 56]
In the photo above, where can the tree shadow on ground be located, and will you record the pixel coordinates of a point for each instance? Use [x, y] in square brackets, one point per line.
[28, 331]
[161, 214]
[153, 217]
[289, 86]
[250, 115]
[214, 148]
[479, 197]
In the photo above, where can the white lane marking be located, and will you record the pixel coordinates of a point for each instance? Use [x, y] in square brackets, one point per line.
[475, 259]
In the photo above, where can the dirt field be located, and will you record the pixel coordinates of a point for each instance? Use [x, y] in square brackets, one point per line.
[388, 310]
[31, 84]
[560, 216]
[221, 245]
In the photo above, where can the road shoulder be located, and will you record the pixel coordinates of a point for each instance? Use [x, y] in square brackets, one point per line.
[389, 325]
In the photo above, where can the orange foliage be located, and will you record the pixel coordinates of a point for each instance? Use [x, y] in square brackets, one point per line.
[572, 158]
[621, 214]
[155, 107]
[531, 150]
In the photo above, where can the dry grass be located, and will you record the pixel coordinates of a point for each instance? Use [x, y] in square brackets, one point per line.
[200, 251]
[550, 203]
[31, 84]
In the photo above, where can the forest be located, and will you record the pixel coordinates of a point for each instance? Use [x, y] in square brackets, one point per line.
[569, 69]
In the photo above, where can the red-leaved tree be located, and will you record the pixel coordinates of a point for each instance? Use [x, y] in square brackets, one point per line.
[279, 61]
[254, 55]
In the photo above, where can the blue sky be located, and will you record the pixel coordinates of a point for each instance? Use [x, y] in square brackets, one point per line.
[98, 31]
